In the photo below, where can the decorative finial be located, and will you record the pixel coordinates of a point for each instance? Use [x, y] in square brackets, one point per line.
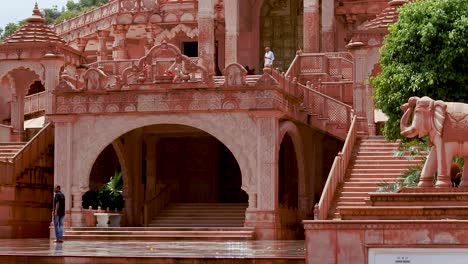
[36, 16]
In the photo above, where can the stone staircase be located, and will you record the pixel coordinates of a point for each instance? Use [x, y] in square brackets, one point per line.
[373, 163]
[9, 149]
[201, 215]
[159, 233]
[179, 221]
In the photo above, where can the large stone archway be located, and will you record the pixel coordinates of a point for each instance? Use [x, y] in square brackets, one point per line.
[89, 135]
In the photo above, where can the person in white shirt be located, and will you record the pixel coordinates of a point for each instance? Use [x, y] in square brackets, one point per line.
[269, 57]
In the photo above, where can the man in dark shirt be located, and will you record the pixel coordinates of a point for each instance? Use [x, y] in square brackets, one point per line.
[58, 214]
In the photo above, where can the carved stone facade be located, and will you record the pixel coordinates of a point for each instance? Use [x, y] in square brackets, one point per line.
[130, 74]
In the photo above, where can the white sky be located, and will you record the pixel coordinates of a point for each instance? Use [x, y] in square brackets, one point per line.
[16, 10]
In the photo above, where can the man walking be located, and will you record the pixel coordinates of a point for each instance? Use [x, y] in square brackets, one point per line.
[59, 214]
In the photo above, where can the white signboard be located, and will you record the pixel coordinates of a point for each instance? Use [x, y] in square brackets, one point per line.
[418, 255]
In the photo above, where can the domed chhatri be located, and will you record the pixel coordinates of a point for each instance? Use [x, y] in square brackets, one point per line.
[35, 30]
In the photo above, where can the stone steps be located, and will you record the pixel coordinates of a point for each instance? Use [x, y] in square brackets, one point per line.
[161, 233]
[10, 149]
[201, 215]
[373, 163]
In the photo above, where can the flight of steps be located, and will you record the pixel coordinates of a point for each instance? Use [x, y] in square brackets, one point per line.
[159, 233]
[9, 149]
[180, 221]
[373, 163]
[201, 215]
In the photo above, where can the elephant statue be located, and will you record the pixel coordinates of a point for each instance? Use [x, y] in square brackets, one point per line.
[446, 124]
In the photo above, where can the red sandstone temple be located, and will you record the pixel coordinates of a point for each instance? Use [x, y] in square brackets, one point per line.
[158, 90]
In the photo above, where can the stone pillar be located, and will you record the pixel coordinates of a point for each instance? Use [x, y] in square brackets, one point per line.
[265, 216]
[17, 112]
[206, 41]
[149, 37]
[102, 45]
[120, 42]
[52, 78]
[362, 102]
[231, 10]
[311, 25]
[63, 168]
[328, 25]
[151, 142]
[133, 157]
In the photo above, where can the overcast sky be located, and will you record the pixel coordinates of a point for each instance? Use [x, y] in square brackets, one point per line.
[16, 10]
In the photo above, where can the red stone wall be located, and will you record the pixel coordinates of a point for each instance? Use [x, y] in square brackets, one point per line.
[348, 242]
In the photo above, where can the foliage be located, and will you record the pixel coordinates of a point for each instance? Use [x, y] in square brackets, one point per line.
[110, 194]
[425, 53]
[76, 9]
[410, 178]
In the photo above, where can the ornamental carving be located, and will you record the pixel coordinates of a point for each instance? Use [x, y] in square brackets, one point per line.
[235, 75]
[165, 63]
[172, 33]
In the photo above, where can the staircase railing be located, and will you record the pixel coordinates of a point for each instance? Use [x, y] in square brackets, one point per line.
[34, 103]
[157, 203]
[337, 174]
[331, 63]
[38, 145]
[325, 106]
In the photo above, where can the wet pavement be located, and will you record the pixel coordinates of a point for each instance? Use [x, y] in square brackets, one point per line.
[159, 249]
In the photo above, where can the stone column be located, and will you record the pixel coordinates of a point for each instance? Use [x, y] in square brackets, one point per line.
[149, 37]
[151, 142]
[63, 168]
[231, 10]
[17, 112]
[206, 41]
[328, 25]
[265, 217]
[133, 157]
[120, 42]
[362, 102]
[52, 78]
[102, 45]
[311, 25]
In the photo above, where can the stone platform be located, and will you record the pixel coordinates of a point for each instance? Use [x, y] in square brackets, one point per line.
[41, 251]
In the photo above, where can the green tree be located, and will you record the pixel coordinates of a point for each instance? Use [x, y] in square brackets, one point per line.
[425, 53]
[10, 28]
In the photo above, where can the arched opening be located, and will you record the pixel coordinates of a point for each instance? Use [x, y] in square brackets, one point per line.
[105, 167]
[281, 29]
[166, 167]
[199, 167]
[288, 175]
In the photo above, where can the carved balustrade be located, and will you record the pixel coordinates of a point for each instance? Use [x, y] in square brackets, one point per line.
[34, 103]
[341, 91]
[337, 174]
[92, 16]
[99, 18]
[324, 106]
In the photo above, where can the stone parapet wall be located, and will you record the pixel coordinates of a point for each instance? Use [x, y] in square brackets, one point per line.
[343, 242]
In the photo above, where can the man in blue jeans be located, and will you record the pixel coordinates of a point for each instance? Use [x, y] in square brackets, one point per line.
[59, 214]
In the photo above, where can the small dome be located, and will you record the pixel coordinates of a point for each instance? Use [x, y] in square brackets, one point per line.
[35, 30]
[388, 16]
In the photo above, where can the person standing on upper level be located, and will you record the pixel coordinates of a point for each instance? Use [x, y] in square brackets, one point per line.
[269, 57]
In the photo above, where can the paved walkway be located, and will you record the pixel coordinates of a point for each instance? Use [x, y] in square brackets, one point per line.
[163, 249]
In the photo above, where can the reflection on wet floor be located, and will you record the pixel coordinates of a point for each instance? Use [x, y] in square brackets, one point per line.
[189, 249]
